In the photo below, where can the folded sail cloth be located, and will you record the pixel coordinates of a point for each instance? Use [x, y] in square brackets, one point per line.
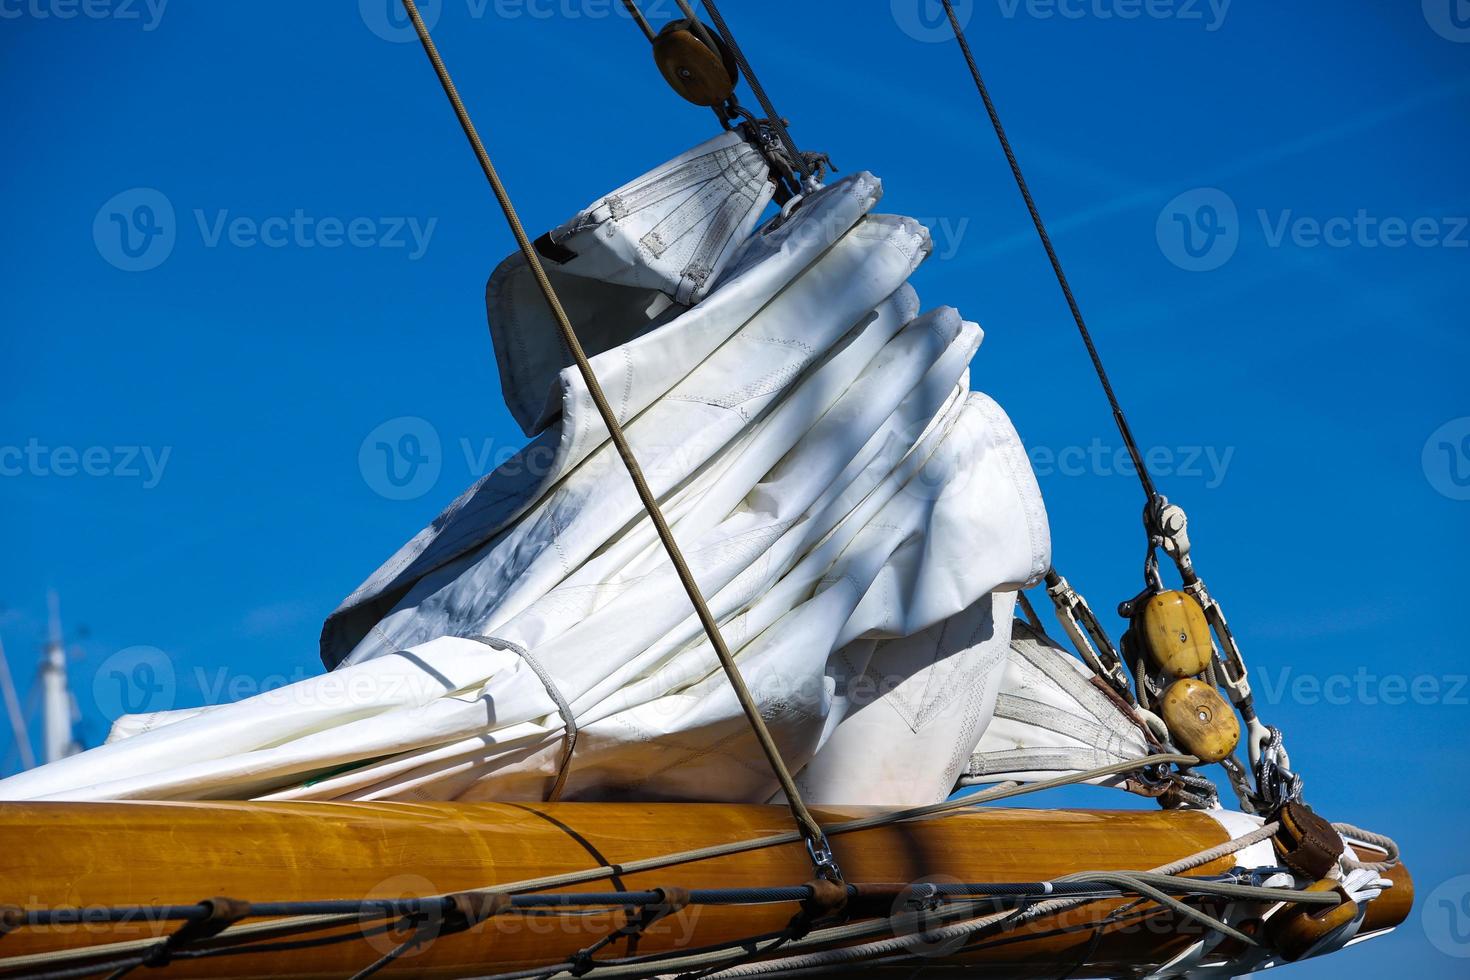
[1051, 718]
[849, 507]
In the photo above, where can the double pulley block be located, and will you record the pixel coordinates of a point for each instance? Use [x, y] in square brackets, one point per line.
[1174, 637]
[1171, 649]
[1182, 654]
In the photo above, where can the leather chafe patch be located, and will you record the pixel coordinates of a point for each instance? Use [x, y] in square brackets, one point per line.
[1306, 843]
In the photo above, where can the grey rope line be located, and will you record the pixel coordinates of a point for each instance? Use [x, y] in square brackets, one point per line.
[1051, 253]
[396, 953]
[639, 19]
[232, 936]
[963, 929]
[1143, 887]
[810, 829]
[696, 26]
[968, 927]
[569, 720]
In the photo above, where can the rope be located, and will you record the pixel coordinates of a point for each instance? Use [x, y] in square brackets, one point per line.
[808, 825]
[563, 707]
[1383, 842]
[1263, 833]
[714, 963]
[389, 957]
[640, 20]
[435, 909]
[1051, 253]
[778, 125]
[652, 36]
[1007, 920]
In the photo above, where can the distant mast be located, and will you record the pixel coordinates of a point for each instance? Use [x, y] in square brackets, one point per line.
[13, 711]
[57, 706]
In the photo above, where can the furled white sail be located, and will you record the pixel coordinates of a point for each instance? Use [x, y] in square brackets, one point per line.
[853, 512]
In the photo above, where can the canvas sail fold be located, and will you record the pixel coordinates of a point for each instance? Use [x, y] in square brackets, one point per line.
[853, 512]
[1051, 718]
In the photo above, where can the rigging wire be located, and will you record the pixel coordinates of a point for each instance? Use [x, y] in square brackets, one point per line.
[652, 35]
[433, 909]
[1051, 253]
[1153, 886]
[640, 20]
[799, 163]
[816, 840]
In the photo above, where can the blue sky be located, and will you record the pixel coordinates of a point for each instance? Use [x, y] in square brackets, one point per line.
[1262, 207]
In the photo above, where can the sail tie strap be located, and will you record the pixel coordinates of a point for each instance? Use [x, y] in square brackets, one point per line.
[811, 831]
[563, 706]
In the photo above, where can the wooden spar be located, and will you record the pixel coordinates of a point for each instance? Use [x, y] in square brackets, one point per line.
[65, 855]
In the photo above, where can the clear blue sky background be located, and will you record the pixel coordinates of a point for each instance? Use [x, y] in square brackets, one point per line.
[1307, 400]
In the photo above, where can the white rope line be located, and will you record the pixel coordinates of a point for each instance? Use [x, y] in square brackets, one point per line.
[1382, 842]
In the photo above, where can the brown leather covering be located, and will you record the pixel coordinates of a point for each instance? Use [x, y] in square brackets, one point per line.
[1306, 843]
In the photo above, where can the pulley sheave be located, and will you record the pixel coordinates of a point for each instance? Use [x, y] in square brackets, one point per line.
[695, 62]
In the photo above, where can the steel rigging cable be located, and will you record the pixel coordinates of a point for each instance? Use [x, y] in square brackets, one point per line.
[1051, 253]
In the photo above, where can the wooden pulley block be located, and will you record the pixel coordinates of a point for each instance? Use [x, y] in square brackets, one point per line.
[700, 74]
[1176, 634]
[1294, 930]
[1199, 720]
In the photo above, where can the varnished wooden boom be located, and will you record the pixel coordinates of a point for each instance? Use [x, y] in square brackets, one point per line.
[56, 855]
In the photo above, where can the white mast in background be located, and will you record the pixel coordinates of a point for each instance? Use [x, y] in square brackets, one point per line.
[57, 707]
[12, 709]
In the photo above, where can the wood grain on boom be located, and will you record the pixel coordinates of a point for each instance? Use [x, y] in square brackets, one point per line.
[92, 854]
